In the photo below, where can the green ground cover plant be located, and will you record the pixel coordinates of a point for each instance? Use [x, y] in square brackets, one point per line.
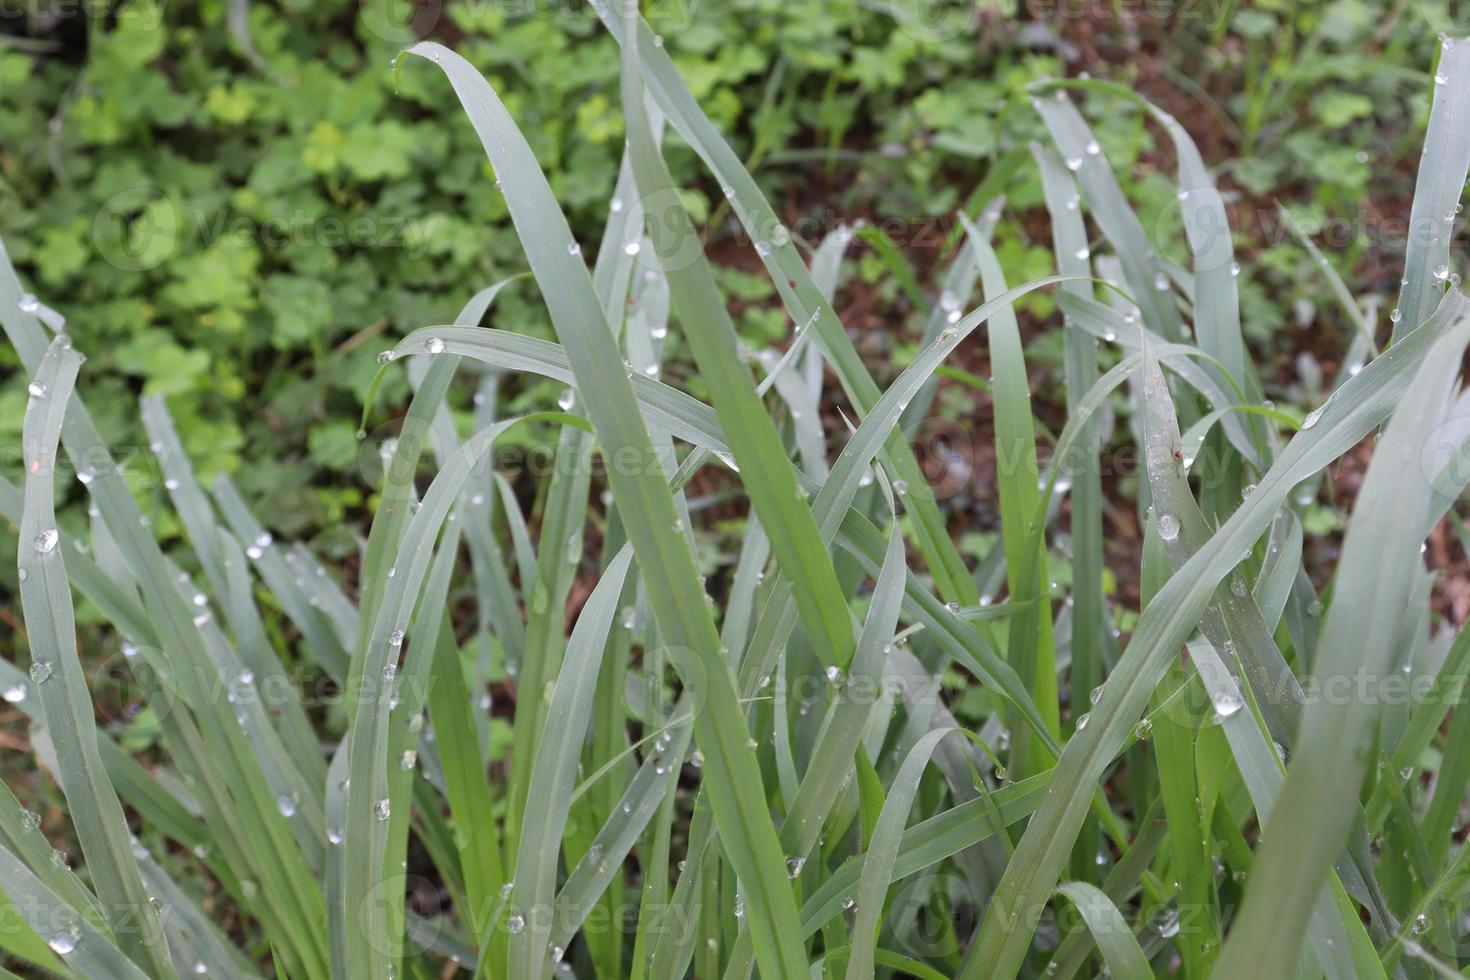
[731, 693]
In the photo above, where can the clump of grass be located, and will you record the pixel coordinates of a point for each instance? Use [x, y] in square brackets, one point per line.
[772, 780]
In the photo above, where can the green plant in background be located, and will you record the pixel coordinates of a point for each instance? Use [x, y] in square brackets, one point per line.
[738, 754]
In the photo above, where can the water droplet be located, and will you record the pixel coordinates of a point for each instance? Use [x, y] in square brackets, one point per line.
[834, 674]
[1083, 253]
[1313, 417]
[37, 389]
[390, 670]
[631, 247]
[15, 694]
[762, 249]
[65, 942]
[434, 345]
[1083, 719]
[40, 671]
[1144, 728]
[1226, 705]
[395, 638]
[381, 809]
[1168, 924]
[1161, 282]
[286, 805]
[334, 836]
[1074, 163]
[794, 866]
[46, 541]
[573, 248]
[566, 399]
[1421, 924]
[408, 760]
[1168, 527]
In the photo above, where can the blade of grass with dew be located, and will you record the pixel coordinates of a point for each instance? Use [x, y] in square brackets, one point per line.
[845, 721]
[1173, 734]
[1428, 714]
[1360, 632]
[1251, 735]
[883, 851]
[1364, 330]
[198, 944]
[21, 943]
[183, 489]
[1355, 409]
[1122, 880]
[1069, 242]
[223, 564]
[954, 294]
[67, 932]
[648, 511]
[368, 813]
[1104, 196]
[20, 832]
[325, 646]
[766, 471]
[1122, 328]
[467, 791]
[66, 704]
[1437, 189]
[1115, 940]
[1207, 233]
[558, 553]
[799, 292]
[553, 769]
[260, 659]
[407, 741]
[1030, 648]
[396, 495]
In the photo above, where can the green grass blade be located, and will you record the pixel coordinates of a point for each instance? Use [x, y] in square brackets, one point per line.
[1437, 189]
[766, 471]
[61, 684]
[883, 852]
[1031, 652]
[1079, 149]
[1114, 938]
[531, 952]
[1361, 631]
[66, 930]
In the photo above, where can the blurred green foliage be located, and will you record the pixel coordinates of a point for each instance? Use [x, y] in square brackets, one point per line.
[241, 215]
